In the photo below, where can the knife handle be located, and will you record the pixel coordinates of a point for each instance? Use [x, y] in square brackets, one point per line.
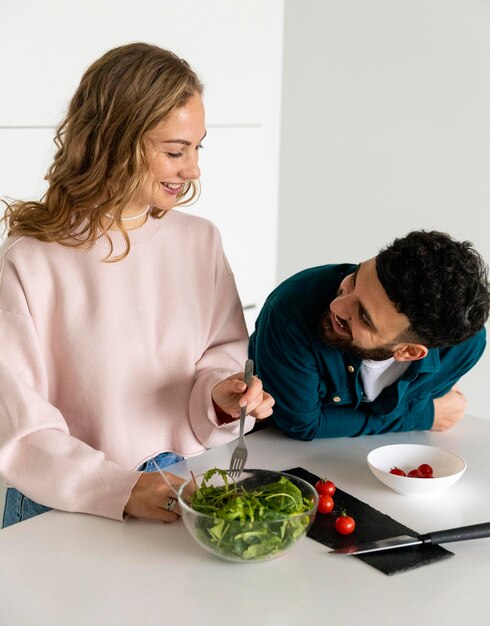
[477, 531]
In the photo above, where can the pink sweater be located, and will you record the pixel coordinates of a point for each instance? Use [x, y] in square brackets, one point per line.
[104, 365]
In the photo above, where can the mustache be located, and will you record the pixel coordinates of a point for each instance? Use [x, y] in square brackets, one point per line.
[327, 331]
[342, 322]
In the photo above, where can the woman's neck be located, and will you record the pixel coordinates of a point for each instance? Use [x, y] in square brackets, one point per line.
[131, 218]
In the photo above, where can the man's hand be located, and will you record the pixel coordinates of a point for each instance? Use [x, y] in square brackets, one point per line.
[449, 409]
[150, 495]
[232, 393]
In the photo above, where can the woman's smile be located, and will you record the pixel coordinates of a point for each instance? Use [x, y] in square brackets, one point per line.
[173, 188]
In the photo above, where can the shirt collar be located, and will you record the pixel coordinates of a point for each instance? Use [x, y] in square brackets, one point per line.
[430, 363]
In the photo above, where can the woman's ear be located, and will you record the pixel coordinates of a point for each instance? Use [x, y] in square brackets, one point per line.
[409, 352]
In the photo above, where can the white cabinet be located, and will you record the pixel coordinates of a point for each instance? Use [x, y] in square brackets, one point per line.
[25, 155]
[244, 212]
[236, 48]
[234, 45]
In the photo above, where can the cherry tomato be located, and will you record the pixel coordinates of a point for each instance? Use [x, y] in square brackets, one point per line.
[325, 487]
[397, 471]
[426, 470]
[344, 524]
[325, 503]
[414, 474]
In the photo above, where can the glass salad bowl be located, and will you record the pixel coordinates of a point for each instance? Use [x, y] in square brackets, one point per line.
[259, 517]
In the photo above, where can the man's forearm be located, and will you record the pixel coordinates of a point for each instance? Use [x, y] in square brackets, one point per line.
[343, 421]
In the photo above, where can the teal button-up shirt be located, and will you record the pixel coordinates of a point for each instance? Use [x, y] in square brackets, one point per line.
[318, 388]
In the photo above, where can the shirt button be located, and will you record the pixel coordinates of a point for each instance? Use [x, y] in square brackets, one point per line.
[336, 399]
[350, 368]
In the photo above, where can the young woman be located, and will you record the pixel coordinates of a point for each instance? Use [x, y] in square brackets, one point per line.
[120, 324]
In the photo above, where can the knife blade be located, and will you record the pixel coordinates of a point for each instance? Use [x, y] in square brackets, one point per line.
[463, 533]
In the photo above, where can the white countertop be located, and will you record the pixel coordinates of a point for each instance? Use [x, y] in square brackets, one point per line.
[66, 569]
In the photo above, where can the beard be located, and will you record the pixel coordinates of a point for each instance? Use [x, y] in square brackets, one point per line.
[346, 344]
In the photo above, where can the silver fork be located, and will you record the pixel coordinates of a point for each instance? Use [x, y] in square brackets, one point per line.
[240, 452]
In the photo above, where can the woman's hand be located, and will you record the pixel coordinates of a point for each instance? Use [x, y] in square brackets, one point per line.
[232, 393]
[151, 495]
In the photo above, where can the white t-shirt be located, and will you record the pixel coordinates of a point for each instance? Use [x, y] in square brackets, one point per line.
[377, 375]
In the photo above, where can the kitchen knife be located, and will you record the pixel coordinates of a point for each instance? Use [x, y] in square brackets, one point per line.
[477, 531]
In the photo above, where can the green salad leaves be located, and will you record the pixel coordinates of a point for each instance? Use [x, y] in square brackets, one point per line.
[249, 521]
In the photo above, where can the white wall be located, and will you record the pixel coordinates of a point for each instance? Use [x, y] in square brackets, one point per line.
[385, 129]
[236, 48]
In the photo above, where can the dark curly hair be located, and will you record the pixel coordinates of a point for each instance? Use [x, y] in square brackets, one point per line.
[441, 285]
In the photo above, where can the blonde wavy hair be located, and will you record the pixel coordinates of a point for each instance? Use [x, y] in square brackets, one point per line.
[100, 160]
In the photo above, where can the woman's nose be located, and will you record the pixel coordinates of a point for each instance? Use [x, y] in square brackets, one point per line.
[190, 169]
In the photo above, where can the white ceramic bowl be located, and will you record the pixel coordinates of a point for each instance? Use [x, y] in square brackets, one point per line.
[448, 468]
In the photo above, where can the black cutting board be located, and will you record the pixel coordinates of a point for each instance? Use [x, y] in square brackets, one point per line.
[371, 525]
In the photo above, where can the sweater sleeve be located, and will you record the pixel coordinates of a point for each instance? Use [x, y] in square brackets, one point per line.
[224, 354]
[38, 456]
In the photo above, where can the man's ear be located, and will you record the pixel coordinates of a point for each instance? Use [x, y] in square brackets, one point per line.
[409, 352]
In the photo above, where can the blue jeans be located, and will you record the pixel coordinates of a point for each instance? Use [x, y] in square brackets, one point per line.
[19, 507]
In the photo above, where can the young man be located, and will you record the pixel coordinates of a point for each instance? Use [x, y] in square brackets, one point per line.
[349, 349]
